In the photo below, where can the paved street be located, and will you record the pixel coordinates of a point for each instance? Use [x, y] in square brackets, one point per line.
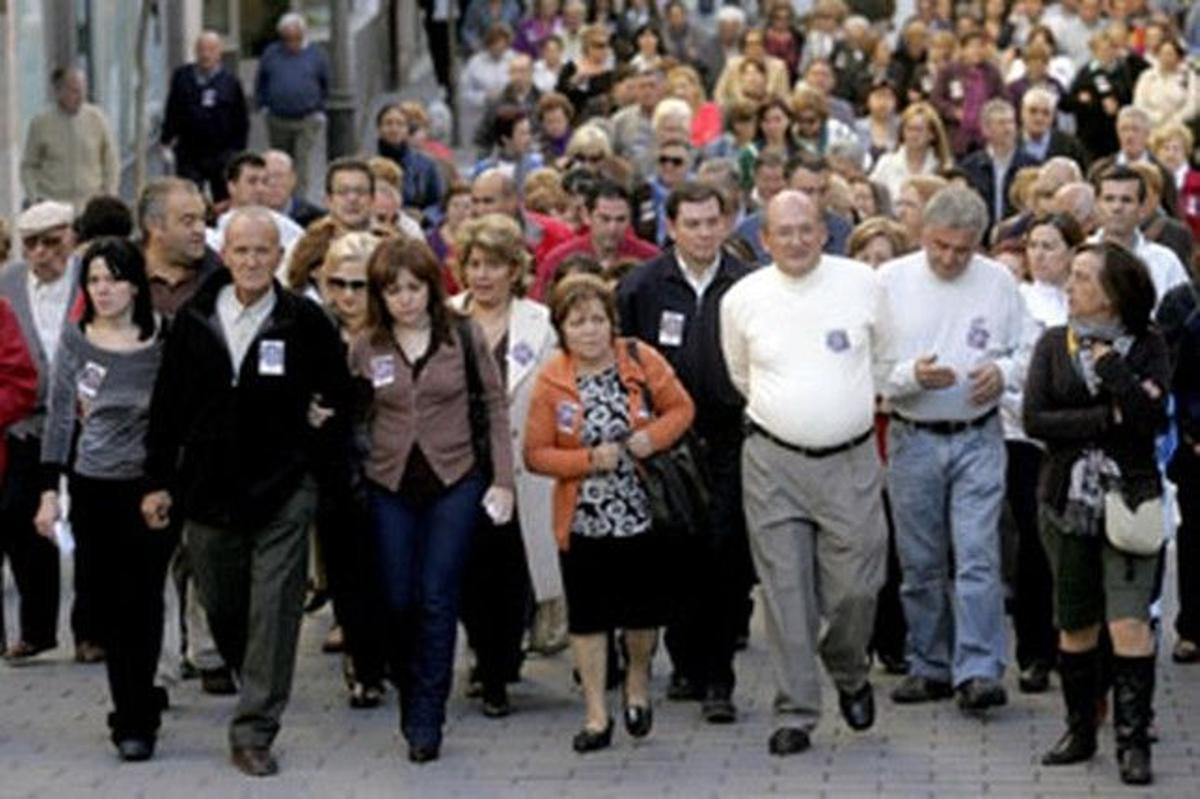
[53, 743]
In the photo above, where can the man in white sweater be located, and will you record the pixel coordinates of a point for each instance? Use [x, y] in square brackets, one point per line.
[952, 324]
[798, 337]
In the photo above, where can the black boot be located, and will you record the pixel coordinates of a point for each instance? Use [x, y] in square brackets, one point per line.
[1077, 673]
[1133, 696]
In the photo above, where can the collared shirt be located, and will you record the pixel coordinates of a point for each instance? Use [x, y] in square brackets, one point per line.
[701, 282]
[48, 301]
[1166, 272]
[241, 323]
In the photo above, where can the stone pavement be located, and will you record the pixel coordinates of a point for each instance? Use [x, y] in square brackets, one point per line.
[53, 742]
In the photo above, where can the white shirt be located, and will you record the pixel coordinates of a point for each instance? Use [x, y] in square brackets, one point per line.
[800, 348]
[974, 319]
[1046, 306]
[1162, 263]
[892, 170]
[241, 323]
[48, 303]
[701, 283]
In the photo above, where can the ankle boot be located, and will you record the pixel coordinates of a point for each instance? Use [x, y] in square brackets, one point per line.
[1133, 696]
[1077, 673]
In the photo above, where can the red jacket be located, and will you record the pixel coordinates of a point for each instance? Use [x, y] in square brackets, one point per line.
[18, 376]
[631, 247]
[1189, 202]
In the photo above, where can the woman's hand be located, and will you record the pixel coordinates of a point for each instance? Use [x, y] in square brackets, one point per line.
[604, 457]
[1100, 349]
[498, 503]
[640, 445]
[47, 514]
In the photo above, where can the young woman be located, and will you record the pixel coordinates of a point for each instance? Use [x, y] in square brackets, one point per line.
[428, 481]
[1096, 397]
[99, 399]
[923, 149]
[589, 421]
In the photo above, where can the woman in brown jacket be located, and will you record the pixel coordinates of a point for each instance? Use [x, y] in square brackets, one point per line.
[427, 481]
[589, 422]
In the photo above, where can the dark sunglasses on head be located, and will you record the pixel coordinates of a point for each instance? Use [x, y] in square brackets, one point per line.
[47, 240]
[341, 284]
[671, 160]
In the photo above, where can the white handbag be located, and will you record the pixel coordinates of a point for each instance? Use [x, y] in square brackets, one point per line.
[1134, 532]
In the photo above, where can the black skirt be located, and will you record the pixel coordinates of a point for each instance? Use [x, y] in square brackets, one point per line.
[614, 583]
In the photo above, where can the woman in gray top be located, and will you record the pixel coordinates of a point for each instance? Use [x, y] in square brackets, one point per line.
[103, 377]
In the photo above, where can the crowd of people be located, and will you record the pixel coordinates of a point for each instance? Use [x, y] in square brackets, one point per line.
[913, 297]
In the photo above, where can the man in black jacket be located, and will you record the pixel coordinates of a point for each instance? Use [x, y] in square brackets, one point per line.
[252, 392]
[990, 171]
[206, 121]
[1040, 139]
[673, 304]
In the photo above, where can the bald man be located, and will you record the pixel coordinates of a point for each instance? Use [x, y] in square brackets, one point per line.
[206, 120]
[246, 495]
[798, 337]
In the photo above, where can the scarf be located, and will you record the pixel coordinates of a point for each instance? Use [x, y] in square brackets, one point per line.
[1080, 336]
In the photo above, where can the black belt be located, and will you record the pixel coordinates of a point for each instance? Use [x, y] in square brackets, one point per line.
[808, 452]
[948, 428]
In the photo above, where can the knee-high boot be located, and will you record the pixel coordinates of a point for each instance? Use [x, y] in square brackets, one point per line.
[1078, 672]
[1133, 697]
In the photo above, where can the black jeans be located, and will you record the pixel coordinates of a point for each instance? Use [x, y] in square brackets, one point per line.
[34, 559]
[496, 602]
[890, 631]
[130, 568]
[713, 575]
[1185, 471]
[1033, 609]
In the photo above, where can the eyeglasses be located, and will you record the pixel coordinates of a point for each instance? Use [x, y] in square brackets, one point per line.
[671, 160]
[48, 240]
[341, 284]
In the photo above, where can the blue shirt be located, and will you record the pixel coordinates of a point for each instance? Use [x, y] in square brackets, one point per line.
[292, 85]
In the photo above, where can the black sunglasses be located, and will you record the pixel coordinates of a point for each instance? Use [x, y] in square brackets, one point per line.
[341, 284]
[671, 160]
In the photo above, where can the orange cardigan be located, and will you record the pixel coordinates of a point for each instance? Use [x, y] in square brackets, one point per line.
[555, 422]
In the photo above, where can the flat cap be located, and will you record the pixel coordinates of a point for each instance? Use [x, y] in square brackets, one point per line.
[43, 216]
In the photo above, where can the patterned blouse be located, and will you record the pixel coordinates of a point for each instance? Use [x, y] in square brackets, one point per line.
[614, 503]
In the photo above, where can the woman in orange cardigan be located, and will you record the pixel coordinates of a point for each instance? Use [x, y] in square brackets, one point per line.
[588, 425]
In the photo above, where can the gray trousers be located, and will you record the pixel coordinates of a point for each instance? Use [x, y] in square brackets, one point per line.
[251, 583]
[819, 541]
[297, 138]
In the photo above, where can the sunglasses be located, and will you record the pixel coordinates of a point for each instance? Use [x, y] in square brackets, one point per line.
[48, 240]
[670, 160]
[341, 284]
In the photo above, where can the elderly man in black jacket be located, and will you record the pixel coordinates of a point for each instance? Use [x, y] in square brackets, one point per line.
[252, 393]
[673, 303]
[206, 121]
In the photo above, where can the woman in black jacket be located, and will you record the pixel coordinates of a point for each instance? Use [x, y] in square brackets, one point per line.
[1096, 395]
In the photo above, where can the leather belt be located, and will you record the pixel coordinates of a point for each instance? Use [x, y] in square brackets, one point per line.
[948, 428]
[809, 452]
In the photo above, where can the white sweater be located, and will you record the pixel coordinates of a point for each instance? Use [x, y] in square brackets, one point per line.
[800, 350]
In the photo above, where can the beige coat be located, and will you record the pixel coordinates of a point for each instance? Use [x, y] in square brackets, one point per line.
[1168, 98]
[531, 342]
[70, 157]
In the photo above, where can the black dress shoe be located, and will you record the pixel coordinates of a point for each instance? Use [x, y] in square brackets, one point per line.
[419, 753]
[254, 761]
[914, 688]
[218, 682]
[788, 741]
[718, 707]
[892, 664]
[980, 693]
[638, 720]
[858, 708]
[1075, 746]
[135, 750]
[495, 702]
[684, 689]
[365, 697]
[1035, 679]
[589, 741]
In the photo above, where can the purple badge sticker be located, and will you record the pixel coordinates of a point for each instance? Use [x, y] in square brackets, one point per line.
[837, 340]
[977, 334]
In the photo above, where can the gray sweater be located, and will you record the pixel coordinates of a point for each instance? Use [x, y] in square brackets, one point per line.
[108, 395]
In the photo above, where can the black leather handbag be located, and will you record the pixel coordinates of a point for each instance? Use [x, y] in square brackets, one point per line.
[676, 479]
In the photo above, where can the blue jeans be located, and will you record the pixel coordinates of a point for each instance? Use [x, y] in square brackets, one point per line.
[421, 550]
[947, 492]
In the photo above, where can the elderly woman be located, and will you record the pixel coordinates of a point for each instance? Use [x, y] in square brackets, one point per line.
[923, 149]
[439, 454]
[598, 407]
[1096, 397]
[1172, 145]
[507, 559]
[1170, 90]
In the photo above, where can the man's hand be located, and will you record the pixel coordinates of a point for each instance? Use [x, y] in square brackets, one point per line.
[156, 510]
[931, 376]
[987, 382]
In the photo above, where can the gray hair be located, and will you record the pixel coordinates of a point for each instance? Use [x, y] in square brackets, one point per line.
[849, 149]
[993, 107]
[152, 202]
[1060, 164]
[255, 213]
[957, 208]
[732, 14]
[278, 155]
[1036, 93]
[1135, 113]
[291, 19]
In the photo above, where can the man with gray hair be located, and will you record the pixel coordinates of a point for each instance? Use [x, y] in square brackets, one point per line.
[1055, 173]
[292, 88]
[1040, 138]
[952, 324]
[1077, 199]
[258, 374]
[991, 171]
[1133, 133]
